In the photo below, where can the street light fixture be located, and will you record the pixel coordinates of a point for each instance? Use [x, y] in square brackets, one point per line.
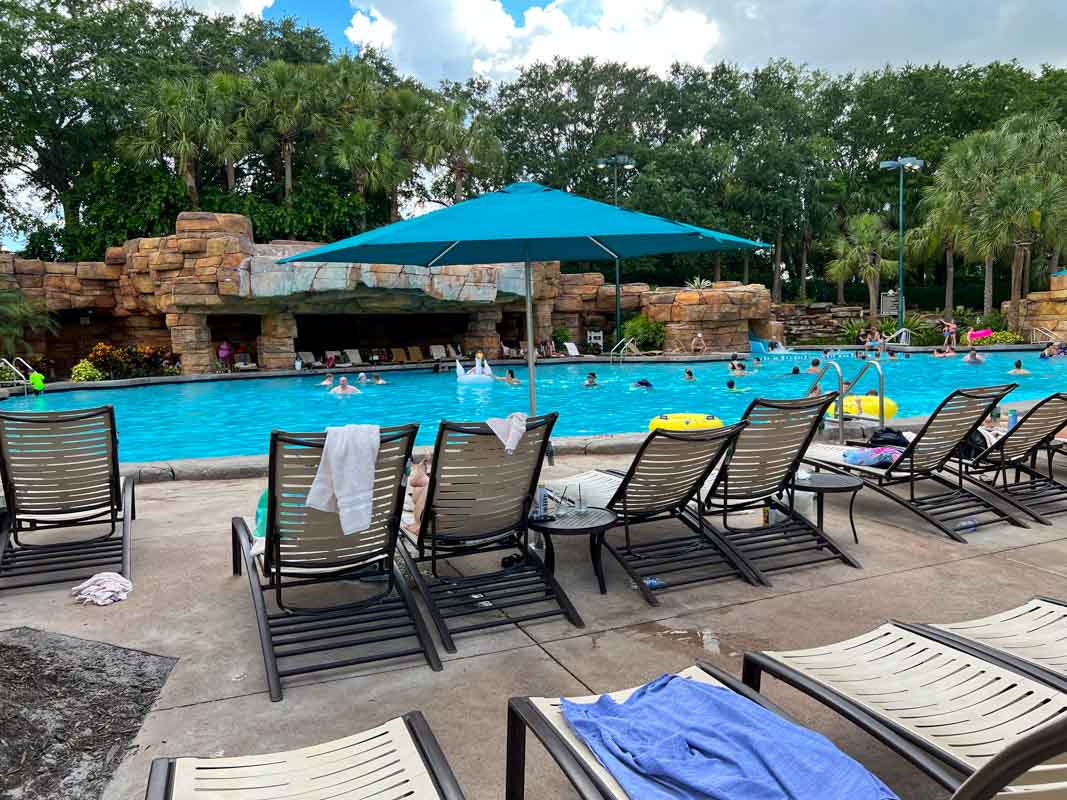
[900, 164]
[617, 162]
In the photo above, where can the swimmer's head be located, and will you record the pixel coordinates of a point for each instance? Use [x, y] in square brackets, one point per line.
[329, 376]
[815, 362]
[872, 392]
[688, 373]
[730, 384]
[1018, 364]
[796, 371]
[344, 381]
[510, 373]
[362, 376]
[591, 375]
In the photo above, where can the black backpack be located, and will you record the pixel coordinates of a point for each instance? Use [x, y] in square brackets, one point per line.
[887, 437]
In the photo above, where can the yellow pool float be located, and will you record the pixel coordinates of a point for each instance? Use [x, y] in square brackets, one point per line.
[865, 405]
[684, 422]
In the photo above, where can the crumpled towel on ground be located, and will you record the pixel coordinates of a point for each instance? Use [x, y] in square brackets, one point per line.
[680, 739]
[103, 589]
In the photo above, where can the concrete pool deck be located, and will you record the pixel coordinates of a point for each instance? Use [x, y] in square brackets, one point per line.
[187, 605]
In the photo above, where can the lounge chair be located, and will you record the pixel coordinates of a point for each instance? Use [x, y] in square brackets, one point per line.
[415, 354]
[453, 352]
[1031, 639]
[338, 358]
[544, 717]
[759, 475]
[958, 509]
[990, 781]
[477, 502]
[664, 479]
[572, 349]
[243, 363]
[306, 549]
[60, 471]
[437, 352]
[353, 356]
[1016, 452]
[398, 759]
[952, 714]
[400, 356]
[308, 359]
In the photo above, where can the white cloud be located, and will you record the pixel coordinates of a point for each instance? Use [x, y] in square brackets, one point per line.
[437, 39]
[236, 8]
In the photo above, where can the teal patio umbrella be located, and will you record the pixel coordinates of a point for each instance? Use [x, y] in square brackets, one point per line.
[524, 222]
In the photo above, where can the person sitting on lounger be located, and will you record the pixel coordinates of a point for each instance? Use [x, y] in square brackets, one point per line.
[379, 380]
[328, 380]
[689, 375]
[814, 368]
[1019, 370]
[644, 383]
[590, 380]
[344, 387]
[972, 357]
[510, 379]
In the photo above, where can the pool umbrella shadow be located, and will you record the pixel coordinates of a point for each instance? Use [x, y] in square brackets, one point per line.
[524, 222]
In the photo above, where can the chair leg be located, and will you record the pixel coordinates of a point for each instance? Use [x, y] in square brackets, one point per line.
[515, 780]
[569, 611]
[427, 598]
[421, 631]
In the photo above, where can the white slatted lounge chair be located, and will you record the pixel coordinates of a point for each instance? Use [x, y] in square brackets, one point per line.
[60, 473]
[338, 358]
[1031, 638]
[956, 509]
[308, 359]
[572, 349]
[398, 760]
[437, 352]
[1014, 456]
[478, 502]
[664, 478]
[306, 549]
[947, 711]
[760, 475]
[1031, 766]
[353, 356]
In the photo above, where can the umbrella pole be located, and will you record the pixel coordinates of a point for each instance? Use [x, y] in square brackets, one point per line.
[531, 354]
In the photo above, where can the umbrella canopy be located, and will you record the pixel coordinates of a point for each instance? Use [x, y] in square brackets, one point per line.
[524, 222]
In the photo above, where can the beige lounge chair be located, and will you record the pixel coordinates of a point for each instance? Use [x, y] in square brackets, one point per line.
[437, 352]
[415, 354]
[398, 759]
[946, 710]
[400, 356]
[1010, 773]
[307, 558]
[477, 504]
[308, 359]
[60, 471]
[354, 357]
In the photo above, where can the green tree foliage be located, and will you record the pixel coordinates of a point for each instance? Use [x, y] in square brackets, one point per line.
[861, 252]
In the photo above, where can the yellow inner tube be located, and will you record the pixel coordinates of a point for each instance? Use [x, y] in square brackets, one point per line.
[865, 405]
[684, 422]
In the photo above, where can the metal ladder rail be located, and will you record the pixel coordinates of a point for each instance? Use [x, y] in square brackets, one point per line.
[840, 401]
[25, 363]
[868, 364]
[1041, 336]
[620, 350]
[903, 333]
[21, 378]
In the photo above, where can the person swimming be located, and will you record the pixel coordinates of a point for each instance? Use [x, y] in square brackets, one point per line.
[689, 375]
[379, 380]
[732, 387]
[972, 357]
[795, 371]
[1019, 370]
[644, 383]
[756, 363]
[328, 380]
[590, 380]
[509, 378]
[362, 378]
[814, 366]
[892, 355]
[344, 387]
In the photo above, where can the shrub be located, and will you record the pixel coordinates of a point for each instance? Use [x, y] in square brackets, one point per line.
[1003, 337]
[697, 283]
[85, 372]
[130, 361]
[648, 335]
[560, 336]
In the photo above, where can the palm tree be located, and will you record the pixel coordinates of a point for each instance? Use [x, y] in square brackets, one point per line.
[468, 141]
[367, 152]
[175, 125]
[861, 253]
[19, 315]
[228, 133]
[406, 116]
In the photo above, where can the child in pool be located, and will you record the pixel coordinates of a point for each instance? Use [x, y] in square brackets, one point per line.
[328, 380]
[590, 380]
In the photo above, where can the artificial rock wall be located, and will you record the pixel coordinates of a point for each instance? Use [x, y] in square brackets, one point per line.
[1046, 310]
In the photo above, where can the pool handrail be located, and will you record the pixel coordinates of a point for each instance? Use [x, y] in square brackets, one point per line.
[881, 387]
[21, 380]
[620, 349]
[839, 402]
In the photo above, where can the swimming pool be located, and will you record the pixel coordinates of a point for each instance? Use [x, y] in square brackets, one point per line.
[226, 418]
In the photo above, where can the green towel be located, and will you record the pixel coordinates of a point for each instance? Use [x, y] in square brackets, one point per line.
[261, 515]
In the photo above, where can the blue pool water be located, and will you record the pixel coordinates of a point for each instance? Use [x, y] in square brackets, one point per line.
[223, 418]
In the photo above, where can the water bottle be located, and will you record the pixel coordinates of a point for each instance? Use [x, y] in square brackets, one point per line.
[298, 364]
[966, 525]
[1013, 419]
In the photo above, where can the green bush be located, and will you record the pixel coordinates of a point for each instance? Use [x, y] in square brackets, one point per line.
[85, 372]
[648, 335]
[560, 336]
[1003, 337]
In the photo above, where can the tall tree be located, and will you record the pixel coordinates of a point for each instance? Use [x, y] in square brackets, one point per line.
[862, 253]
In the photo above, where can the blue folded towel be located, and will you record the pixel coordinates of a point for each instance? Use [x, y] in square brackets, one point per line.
[676, 739]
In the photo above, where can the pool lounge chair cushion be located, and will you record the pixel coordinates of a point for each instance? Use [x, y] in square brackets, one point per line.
[398, 759]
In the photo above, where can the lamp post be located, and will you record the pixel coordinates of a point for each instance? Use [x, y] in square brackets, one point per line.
[900, 164]
[617, 161]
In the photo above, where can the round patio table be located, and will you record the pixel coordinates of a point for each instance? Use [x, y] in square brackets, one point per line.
[592, 522]
[824, 483]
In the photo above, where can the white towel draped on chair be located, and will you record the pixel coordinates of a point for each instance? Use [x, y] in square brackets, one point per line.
[509, 430]
[344, 482]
